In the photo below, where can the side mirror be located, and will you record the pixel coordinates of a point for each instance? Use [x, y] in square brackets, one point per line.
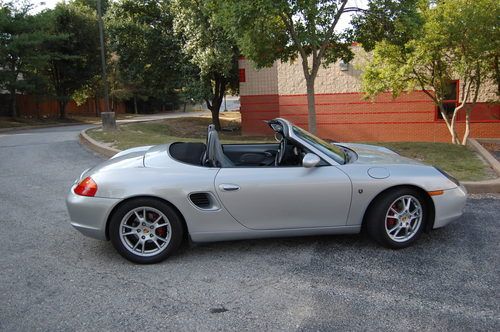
[310, 160]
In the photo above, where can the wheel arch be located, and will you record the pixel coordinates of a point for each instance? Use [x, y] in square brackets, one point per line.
[429, 223]
[128, 199]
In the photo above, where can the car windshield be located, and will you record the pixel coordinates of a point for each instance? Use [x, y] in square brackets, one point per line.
[329, 149]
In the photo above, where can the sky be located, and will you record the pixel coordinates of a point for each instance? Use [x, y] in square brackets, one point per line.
[343, 23]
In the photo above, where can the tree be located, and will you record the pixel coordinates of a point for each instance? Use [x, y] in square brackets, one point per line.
[448, 39]
[74, 61]
[270, 30]
[147, 53]
[21, 52]
[210, 49]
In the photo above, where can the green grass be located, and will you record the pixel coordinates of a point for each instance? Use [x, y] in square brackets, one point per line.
[459, 161]
[191, 129]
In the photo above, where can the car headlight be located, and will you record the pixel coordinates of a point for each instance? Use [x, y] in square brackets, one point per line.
[451, 178]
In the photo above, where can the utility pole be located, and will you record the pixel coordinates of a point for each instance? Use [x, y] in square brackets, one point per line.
[107, 117]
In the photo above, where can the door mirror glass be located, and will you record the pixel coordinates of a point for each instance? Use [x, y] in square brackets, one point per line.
[310, 160]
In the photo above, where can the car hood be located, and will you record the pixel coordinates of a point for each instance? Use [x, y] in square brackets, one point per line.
[372, 154]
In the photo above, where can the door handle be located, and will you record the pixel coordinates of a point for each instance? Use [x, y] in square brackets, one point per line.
[229, 187]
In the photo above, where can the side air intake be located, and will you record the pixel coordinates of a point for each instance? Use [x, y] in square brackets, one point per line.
[201, 200]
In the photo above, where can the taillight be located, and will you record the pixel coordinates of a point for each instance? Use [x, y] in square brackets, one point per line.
[86, 187]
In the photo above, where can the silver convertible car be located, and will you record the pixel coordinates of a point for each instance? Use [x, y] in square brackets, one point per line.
[147, 200]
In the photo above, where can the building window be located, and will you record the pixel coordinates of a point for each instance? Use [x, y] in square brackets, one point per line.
[450, 100]
[241, 74]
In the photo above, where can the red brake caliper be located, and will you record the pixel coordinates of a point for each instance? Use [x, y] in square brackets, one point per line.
[160, 231]
[391, 221]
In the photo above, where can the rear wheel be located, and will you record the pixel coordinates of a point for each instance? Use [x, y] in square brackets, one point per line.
[397, 218]
[145, 231]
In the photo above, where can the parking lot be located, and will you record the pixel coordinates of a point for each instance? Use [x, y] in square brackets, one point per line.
[53, 278]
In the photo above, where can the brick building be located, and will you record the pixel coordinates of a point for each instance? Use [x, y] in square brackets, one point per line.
[343, 114]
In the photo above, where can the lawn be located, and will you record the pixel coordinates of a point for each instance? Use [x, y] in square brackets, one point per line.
[459, 161]
[189, 129]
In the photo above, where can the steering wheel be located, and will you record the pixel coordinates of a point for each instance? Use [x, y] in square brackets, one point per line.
[281, 152]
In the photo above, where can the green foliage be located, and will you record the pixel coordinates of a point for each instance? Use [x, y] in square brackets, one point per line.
[394, 21]
[211, 52]
[74, 60]
[445, 40]
[147, 53]
[22, 54]
[92, 4]
[269, 30]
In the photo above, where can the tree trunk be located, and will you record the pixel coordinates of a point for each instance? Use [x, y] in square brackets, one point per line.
[215, 117]
[451, 129]
[13, 105]
[469, 108]
[108, 120]
[96, 104]
[37, 107]
[214, 108]
[135, 105]
[497, 73]
[311, 105]
[467, 125]
[62, 109]
[216, 102]
[452, 126]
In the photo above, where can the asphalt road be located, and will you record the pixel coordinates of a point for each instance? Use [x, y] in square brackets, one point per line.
[52, 278]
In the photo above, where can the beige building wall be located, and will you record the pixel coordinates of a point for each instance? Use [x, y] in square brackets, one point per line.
[258, 82]
[331, 79]
[487, 92]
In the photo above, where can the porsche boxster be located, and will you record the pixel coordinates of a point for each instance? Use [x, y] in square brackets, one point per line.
[148, 200]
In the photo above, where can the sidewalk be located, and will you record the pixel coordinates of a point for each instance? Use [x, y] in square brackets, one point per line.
[154, 117]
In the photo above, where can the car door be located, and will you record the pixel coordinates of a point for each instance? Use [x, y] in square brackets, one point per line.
[285, 197]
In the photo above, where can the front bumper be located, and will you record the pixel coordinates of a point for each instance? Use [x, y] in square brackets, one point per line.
[90, 214]
[449, 206]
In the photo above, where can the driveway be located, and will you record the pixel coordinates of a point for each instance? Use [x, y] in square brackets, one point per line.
[52, 278]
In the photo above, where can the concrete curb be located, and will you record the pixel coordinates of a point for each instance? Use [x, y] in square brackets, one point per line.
[96, 146]
[473, 187]
[474, 144]
[486, 186]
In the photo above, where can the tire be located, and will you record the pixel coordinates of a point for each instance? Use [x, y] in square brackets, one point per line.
[146, 240]
[392, 211]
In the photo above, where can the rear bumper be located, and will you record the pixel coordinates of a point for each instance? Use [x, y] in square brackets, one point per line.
[90, 214]
[449, 206]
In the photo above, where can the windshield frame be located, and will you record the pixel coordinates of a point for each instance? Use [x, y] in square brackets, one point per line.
[332, 151]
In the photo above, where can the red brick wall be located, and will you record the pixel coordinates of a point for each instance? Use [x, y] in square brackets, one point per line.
[255, 110]
[348, 117]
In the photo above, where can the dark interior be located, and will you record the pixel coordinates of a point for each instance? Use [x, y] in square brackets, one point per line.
[189, 153]
[249, 155]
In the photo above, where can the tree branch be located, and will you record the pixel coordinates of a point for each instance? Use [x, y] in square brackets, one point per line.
[287, 20]
[330, 30]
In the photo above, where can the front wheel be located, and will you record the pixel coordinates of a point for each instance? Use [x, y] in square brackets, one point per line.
[145, 231]
[397, 218]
